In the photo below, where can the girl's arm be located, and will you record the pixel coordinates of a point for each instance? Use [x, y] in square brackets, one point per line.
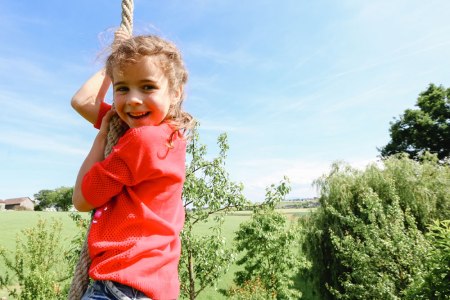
[95, 155]
[88, 98]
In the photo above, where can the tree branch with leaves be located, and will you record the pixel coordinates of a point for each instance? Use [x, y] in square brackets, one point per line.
[208, 195]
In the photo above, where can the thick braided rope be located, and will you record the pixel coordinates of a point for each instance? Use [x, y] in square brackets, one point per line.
[116, 126]
[116, 129]
[127, 16]
[80, 280]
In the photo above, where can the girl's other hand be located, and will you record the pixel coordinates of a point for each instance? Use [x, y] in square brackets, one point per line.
[104, 127]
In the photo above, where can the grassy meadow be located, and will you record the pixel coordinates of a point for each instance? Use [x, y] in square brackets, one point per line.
[12, 223]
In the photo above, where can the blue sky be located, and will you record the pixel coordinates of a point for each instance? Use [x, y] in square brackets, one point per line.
[295, 84]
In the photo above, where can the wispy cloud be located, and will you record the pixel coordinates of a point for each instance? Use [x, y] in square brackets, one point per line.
[204, 83]
[42, 143]
[13, 21]
[236, 56]
[31, 111]
[24, 70]
[208, 125]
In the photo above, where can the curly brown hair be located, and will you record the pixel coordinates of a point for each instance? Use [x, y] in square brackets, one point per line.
[131, 50]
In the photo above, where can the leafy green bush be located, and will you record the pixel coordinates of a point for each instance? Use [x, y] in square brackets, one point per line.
[41, 270]
[434, 283]
[365, 241]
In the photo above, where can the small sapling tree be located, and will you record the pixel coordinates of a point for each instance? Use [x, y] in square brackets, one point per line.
[208, 194]
[40, 269]
[270, 256]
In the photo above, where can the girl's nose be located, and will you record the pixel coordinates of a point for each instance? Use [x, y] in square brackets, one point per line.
[134, 99]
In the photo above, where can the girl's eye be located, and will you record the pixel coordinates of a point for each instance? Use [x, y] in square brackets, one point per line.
[148, 87]
[121, 89]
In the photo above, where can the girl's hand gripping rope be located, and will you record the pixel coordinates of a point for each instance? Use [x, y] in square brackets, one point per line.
[104, 127]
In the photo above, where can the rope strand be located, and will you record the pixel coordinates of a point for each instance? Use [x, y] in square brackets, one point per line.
[117, 128]
[127, 16]
[80, 279]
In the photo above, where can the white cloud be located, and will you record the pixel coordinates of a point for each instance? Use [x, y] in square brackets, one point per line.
[258, 174]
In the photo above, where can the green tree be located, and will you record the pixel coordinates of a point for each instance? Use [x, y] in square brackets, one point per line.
[424, 129]
[268, 245]
[45, 199]
[208, 194]
[361, 243]
[423, 187]
[64, 198]
[60, 198]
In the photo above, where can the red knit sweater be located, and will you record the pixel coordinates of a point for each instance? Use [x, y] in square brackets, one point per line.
[134, 237]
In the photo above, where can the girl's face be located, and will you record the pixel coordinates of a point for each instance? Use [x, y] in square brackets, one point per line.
[142, 96]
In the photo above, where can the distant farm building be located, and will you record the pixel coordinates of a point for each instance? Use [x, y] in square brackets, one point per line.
[23, 203]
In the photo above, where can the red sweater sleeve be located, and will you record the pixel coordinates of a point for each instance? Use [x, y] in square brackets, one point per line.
[138, 156]
[104, 107]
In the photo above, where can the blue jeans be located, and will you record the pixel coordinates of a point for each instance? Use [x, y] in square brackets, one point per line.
[108, 290]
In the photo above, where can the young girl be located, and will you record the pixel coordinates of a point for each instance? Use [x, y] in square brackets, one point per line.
[136, 191]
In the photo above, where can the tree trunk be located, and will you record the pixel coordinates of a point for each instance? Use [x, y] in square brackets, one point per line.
[191, 277]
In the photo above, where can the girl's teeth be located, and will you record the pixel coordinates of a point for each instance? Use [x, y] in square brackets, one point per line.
[136, 115]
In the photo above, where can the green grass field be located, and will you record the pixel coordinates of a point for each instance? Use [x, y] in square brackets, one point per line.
[11, 223]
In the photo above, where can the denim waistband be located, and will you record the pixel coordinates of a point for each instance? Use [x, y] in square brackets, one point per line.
[124, 292]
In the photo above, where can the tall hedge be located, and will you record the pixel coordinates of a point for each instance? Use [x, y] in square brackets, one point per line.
[366, 241]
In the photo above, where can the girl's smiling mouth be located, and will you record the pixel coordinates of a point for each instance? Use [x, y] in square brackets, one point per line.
[138, 115]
